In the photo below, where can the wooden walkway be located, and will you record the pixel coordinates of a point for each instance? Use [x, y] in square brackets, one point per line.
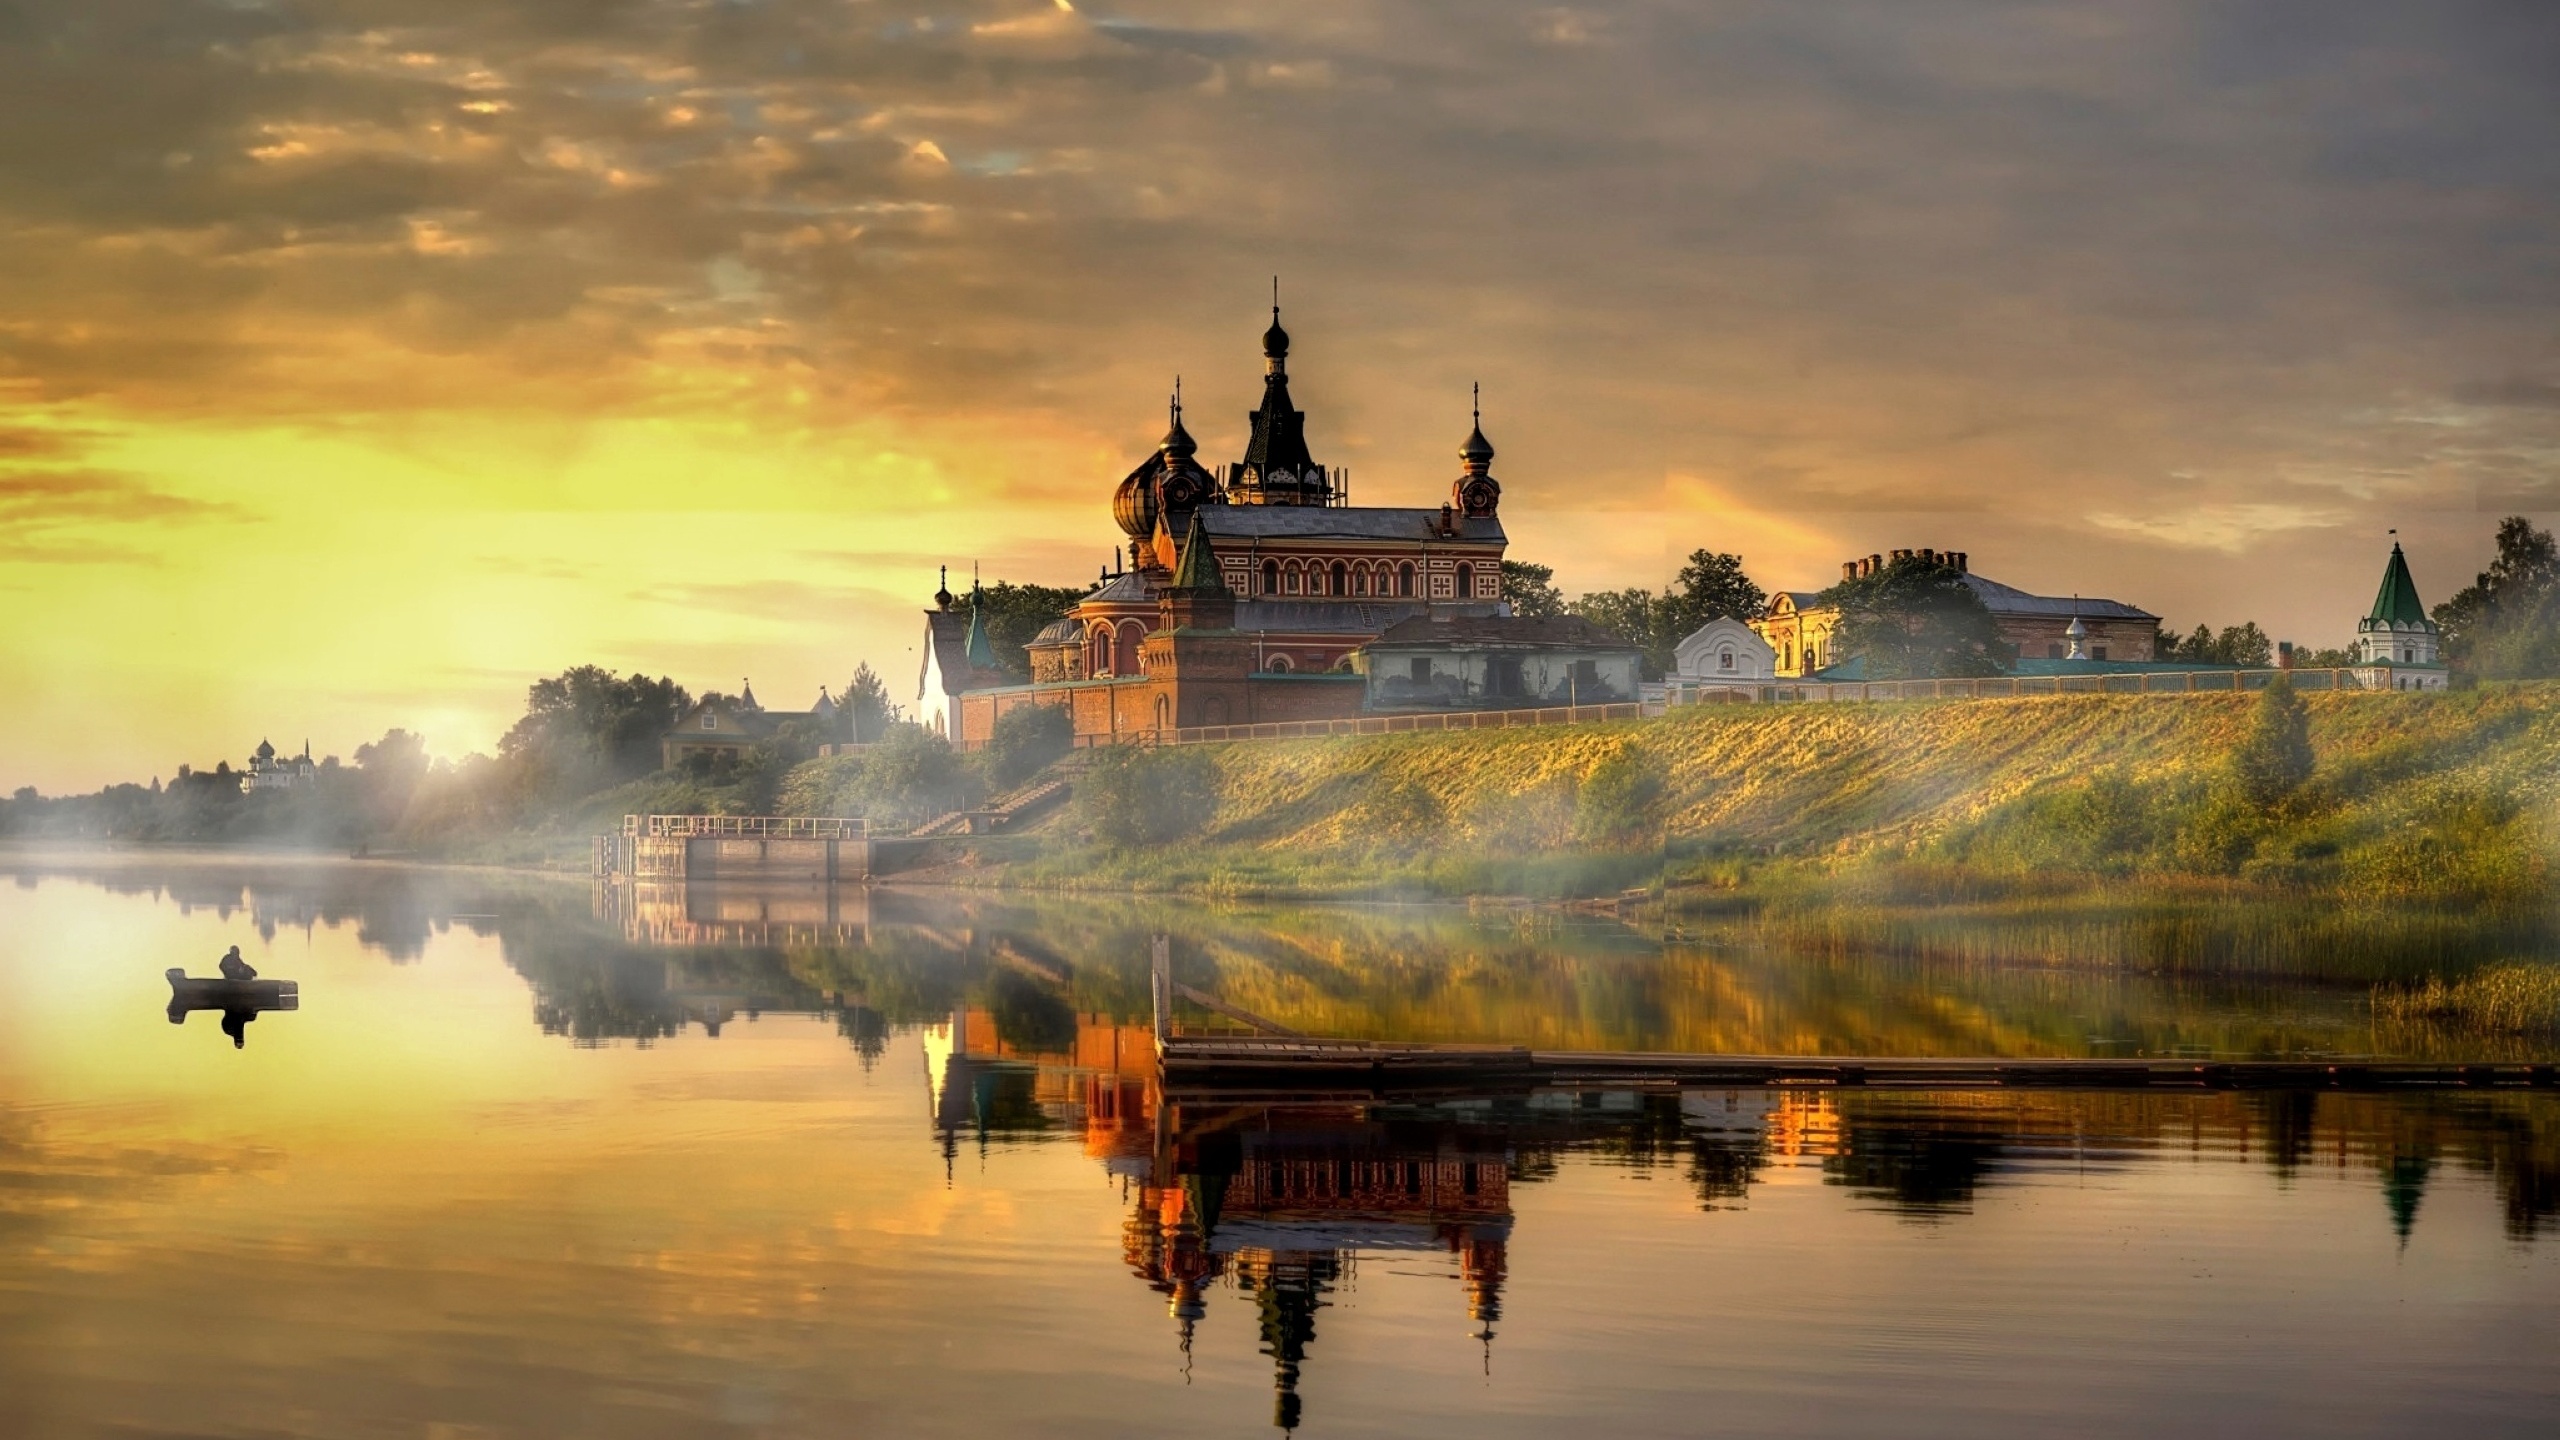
[1283, 1064]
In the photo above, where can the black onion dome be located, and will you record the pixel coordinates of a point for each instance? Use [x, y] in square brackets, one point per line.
[1133, 505]
[1477, 450]
[1275, 341]
[1178, 442]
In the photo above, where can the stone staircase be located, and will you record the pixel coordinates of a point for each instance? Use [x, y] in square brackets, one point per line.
[1020, 803]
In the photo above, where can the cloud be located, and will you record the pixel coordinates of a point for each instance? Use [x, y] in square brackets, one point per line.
[74, 516]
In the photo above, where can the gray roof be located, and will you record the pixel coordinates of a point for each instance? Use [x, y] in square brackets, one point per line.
[1340, 522]
[1130, 587]
[1570, 631]
[1062, 630]
[1342, 617]
[2002, 599]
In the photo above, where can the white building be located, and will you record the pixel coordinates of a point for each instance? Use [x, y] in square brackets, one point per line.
[1724, 650]
[2397, 646]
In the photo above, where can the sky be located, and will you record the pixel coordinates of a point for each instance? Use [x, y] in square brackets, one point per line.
[362, 362]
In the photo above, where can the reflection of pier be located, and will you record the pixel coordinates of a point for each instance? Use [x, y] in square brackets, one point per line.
[704, 912]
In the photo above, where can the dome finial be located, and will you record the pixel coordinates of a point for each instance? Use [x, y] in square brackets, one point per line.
[1275, 341]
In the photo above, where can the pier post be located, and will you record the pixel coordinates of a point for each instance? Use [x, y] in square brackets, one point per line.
[1161, 989]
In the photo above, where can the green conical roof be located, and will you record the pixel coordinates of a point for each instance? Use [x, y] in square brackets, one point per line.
[1198, 567]
[981, 653]
[2397, 601]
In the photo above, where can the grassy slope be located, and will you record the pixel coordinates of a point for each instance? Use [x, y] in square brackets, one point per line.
[1966, 787]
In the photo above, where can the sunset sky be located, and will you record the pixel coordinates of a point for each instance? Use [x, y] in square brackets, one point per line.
[361, 362]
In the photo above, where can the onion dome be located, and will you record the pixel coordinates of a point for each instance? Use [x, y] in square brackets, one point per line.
[1275, 341]
[266, 751]
[1134, 504]
[942, 596]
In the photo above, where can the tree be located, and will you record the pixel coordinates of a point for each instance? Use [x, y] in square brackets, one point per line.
[1917, 619]
[1634, 616]
[868, 710]
[583, 728]
[1024, 741]
[2506, 623]
[2241, 644]
[1015, 614]
[1531, 589]
[2274, 758]
[1712, 587]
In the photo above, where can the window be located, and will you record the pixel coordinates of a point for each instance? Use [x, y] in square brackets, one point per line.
[1291, 580]
[2053, 651]
[1505, 677]
[1270, 577]
[710, 721]
[1420, 669]
[1724, 659]
[2097, 652]
[1278, 665]
[1404, 580]
[2408, 656]
[1466, 581]
[1341, 579]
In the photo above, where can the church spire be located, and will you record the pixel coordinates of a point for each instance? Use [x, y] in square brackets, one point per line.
[1475, 493]
[1277, 468]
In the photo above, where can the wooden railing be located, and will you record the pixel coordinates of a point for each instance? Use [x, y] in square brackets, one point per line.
[755, 827]
[2004, 687]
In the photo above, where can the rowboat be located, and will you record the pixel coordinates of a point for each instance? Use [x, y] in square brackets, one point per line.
[189, 992]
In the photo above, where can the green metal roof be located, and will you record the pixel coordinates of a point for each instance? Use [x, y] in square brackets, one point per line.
[2397, 601]
[981, 653]
[1198, 566]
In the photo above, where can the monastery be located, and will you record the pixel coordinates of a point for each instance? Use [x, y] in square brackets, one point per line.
[1247, 590]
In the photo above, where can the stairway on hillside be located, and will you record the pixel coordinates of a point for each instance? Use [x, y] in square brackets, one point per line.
[1020, 803]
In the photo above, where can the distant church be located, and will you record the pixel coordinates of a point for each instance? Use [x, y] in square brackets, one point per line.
[1268, 573]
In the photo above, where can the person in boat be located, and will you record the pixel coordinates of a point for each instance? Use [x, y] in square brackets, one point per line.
[235, 968]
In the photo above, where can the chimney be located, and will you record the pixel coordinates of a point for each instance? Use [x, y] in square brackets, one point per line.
[2284, 654]
[1958, 560]
[1929, 557]
[1848, 569]
[1901, 555]
[1874, 563]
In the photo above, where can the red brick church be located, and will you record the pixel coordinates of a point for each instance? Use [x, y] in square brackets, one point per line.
[1246, 591]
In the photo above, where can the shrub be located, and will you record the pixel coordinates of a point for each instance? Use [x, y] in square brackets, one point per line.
[1130, 796]
[2274, 758]
[1619, 802]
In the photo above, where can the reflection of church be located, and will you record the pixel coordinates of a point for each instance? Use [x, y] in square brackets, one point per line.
[1283, 1206]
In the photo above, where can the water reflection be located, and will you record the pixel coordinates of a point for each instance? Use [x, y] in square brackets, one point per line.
[550, 1130]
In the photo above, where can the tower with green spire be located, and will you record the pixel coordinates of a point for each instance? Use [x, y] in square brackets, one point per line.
[2396, 637]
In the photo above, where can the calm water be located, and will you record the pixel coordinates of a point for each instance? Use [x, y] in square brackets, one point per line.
[524, 1164]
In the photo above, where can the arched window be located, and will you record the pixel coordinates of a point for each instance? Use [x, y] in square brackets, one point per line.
[1466, 582]
[1278, 665]
[1341, 579]
[1293, 578]
[1099, 662]
[1270, 577]
[1404, 579]
[1133, 655]
[1164, 712]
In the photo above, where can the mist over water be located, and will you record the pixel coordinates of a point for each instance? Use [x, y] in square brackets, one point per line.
[532, 1161]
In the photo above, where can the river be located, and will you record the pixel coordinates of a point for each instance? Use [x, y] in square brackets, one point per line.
[530, 1160]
